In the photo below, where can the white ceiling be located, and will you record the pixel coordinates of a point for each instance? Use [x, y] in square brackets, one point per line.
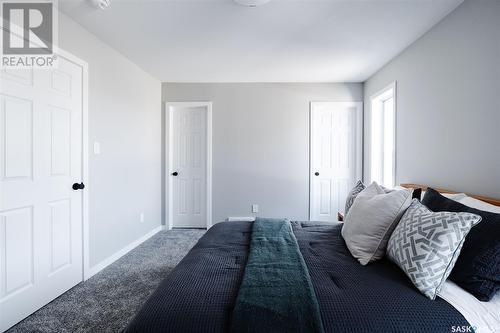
[282, 41]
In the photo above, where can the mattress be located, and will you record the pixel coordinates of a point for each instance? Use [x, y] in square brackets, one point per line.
[199, 294]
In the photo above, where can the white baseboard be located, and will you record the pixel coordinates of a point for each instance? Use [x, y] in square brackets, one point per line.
[111, 259]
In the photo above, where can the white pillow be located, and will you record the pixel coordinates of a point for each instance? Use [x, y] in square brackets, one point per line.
[454, 196]
[451, 196]
[478, 204]
[371, 221]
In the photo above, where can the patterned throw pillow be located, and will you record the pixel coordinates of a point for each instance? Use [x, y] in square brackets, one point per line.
[426, 245]
[353, 194]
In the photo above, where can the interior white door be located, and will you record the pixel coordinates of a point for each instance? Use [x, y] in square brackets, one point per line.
[40, 213]
[335, 156]
[189, 124]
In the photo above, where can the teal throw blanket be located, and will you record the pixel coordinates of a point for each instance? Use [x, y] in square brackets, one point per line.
[276, 294]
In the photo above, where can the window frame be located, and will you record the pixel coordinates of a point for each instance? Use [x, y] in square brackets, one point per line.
[380, 97]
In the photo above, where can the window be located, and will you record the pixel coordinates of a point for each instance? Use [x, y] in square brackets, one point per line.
[383, 132]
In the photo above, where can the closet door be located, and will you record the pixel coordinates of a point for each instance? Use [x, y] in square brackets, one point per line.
[336, 153]
[40, 210]
[189, 179]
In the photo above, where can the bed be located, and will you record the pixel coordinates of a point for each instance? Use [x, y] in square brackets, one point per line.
[199, 294]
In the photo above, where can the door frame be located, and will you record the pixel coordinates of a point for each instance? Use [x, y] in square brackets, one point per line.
[86, 272]
[359, 142]
[169, 154]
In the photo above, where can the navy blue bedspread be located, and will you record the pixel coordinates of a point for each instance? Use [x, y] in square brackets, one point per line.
[199, 294]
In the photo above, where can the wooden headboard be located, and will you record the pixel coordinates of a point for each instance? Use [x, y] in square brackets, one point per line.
[492, 201]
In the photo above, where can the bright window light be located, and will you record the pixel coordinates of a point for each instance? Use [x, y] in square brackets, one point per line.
[383, 141]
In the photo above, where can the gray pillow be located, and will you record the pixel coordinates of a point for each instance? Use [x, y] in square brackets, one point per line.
[352, 195]
[360, 186]
[371, 220]
[426, 245]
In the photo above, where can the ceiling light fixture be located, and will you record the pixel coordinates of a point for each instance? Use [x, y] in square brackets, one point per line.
[103, 4]
[251, 3]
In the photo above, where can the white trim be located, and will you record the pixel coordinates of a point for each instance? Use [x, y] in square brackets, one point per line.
[311, 156]
[169, 185]
[169, 154]
[111, 259]
[86, 173]
[209, 165]
[359, 142]
[380, 95]
[384, 90]
[394, 153]
[85, 158]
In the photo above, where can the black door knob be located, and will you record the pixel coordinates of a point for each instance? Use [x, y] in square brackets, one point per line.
[77, 186]
[175, 173]
[316, 173]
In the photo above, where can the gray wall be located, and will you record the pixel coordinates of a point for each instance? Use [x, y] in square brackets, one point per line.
[124, 116]
[261, 142]
[448, 105]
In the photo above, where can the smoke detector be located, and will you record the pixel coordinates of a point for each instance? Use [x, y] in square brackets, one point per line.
[251, 3]
[102, 4]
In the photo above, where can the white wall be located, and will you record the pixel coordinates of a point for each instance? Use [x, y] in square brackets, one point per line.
[261, 142]
[124, 116]
[448, 105]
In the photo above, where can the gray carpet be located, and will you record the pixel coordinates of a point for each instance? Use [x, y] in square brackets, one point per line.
[109, 300]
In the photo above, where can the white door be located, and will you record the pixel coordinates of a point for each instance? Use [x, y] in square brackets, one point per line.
[40, 213]
[189, 165]
[335, 156]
